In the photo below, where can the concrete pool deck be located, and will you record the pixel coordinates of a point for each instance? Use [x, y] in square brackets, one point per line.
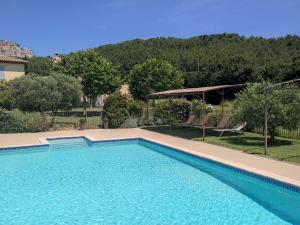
[278, 170]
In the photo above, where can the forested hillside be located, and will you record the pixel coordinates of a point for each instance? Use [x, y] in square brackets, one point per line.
[214, 59]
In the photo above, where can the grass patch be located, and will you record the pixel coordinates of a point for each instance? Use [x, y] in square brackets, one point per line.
[282, 149]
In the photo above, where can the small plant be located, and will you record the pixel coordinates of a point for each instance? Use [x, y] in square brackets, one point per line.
[82, 123]
[82, 120]
[105, 123]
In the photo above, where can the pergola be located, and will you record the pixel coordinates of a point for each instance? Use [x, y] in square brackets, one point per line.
[198, 92]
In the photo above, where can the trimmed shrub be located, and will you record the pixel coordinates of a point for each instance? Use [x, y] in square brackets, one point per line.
[115, 108]
[177, 113]
[181, 108]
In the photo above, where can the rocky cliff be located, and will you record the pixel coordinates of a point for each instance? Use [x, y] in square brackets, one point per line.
[13, 49]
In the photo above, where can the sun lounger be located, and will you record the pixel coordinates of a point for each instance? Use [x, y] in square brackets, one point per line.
[190, 120]
[223, 122]
[221, 125]
[203, 121]
[237, 129]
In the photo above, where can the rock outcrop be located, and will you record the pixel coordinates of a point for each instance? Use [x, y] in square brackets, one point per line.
[13, 49]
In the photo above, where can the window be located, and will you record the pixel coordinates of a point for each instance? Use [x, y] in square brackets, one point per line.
[1, 72]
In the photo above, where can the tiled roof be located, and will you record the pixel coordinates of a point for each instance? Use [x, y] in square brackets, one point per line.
[7, 59]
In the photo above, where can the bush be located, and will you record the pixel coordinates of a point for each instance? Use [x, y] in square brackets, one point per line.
[180, 111]
[161, 113]
[198, 105]
[47, 93]
[115, 108]
[5, 95]
[135, 108]
[18, 122]
[9, 124]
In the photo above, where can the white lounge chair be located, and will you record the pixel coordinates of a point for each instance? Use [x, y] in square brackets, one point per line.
[237, 129]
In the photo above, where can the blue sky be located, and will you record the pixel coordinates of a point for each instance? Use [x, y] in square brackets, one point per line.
[66, 26]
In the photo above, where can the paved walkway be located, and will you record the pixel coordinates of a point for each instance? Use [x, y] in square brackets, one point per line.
[279, 170]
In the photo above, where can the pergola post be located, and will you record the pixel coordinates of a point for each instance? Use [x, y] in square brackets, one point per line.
[266, 130]
[203, 115]
[266, 123]
[193, 105]
[222, 102]
[170, 122]
[147, 112]
[200, 113]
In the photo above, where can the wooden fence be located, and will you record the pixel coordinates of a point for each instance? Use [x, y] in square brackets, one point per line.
[280, 132]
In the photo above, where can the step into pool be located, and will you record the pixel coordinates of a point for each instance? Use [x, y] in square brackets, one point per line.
[135, 181]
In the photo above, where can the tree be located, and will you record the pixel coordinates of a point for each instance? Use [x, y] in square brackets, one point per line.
[40, 65]
[70, 89]
[152, 76]
[283, 107]
[46, 93]
[98, 75]
[213, 59]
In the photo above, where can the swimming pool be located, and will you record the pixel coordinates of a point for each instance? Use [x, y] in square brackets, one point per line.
[76, 181]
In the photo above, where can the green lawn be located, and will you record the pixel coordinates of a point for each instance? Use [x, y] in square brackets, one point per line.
[283, 148]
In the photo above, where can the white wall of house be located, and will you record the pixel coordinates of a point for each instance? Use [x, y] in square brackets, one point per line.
[9, 71]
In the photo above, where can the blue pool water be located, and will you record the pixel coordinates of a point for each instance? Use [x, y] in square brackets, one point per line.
[75, 181]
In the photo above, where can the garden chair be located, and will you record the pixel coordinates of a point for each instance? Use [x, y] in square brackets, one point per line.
[190, 120]
[237, 129]
[223, 122]
[203, 121]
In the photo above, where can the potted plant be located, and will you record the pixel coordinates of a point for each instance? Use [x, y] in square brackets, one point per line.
[105, 123]
[82, 123]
